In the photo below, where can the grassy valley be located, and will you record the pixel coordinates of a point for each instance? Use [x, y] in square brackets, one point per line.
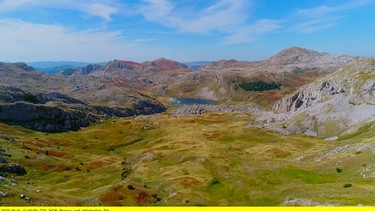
[212, 159]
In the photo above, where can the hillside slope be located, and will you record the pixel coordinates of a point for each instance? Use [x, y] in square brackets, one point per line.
[56, 103]
[291, 68]
[331, 105]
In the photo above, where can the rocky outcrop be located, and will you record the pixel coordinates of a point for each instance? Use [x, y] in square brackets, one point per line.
[143, 107]
[55, 112]
[333, 105]
[13, 169]
[87, 69]
[308, 96]
[45, 112]
[47, 117]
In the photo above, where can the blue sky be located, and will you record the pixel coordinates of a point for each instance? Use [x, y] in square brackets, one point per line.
[183, 30]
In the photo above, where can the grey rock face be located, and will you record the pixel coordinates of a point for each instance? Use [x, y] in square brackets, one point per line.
[332, 105]
[44, 117]
[55, 112]
[86, 70]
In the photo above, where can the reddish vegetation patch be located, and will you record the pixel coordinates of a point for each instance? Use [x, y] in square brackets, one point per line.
[189, 182]
[49, 196]
[43, 167]
[97, 164]
[127, 123]
[57, 153]
[62, 167]
[165, 64]
[59, 142]
[312, 74]
[129, 63]
[277, 152]
[213, 135]
[42, 142]
[194, 120]
[112, 199]
[142, 198]
[37, 143]
[272, 96]
[298, 80]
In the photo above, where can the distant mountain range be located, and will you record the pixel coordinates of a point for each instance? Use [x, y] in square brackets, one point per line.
[54, 67]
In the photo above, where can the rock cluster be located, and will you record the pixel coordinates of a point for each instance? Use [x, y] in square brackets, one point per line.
[307, 97]
[198, 109]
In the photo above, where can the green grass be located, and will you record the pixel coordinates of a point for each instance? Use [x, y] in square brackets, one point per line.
[211, 159]
[307, 177]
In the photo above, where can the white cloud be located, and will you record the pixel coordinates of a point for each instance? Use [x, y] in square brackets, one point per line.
[325, 10]
[315, 25]
[227, 17]
[223, 16]
[12, 4]
[252, 32]
[323, 17]
[34, 42]
[101, 10]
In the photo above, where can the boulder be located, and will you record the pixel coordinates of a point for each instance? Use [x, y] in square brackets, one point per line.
[13, 169]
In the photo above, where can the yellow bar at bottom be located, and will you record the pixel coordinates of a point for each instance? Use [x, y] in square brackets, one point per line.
[170, 208]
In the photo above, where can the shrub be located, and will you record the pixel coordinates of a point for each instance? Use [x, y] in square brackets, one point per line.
[347, 185]
[259, 86]
[338, 170]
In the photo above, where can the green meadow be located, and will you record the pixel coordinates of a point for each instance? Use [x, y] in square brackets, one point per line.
[212, 159]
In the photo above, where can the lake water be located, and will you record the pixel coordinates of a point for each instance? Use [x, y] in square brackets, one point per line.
[190, 101]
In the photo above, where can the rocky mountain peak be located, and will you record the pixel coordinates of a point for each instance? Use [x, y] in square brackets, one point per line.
[295, 55]
[120, 64]
[167, 64]
[161, 64]
[115, 68]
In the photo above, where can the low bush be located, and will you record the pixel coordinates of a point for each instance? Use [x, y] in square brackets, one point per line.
[347, 185]
[259, 86]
